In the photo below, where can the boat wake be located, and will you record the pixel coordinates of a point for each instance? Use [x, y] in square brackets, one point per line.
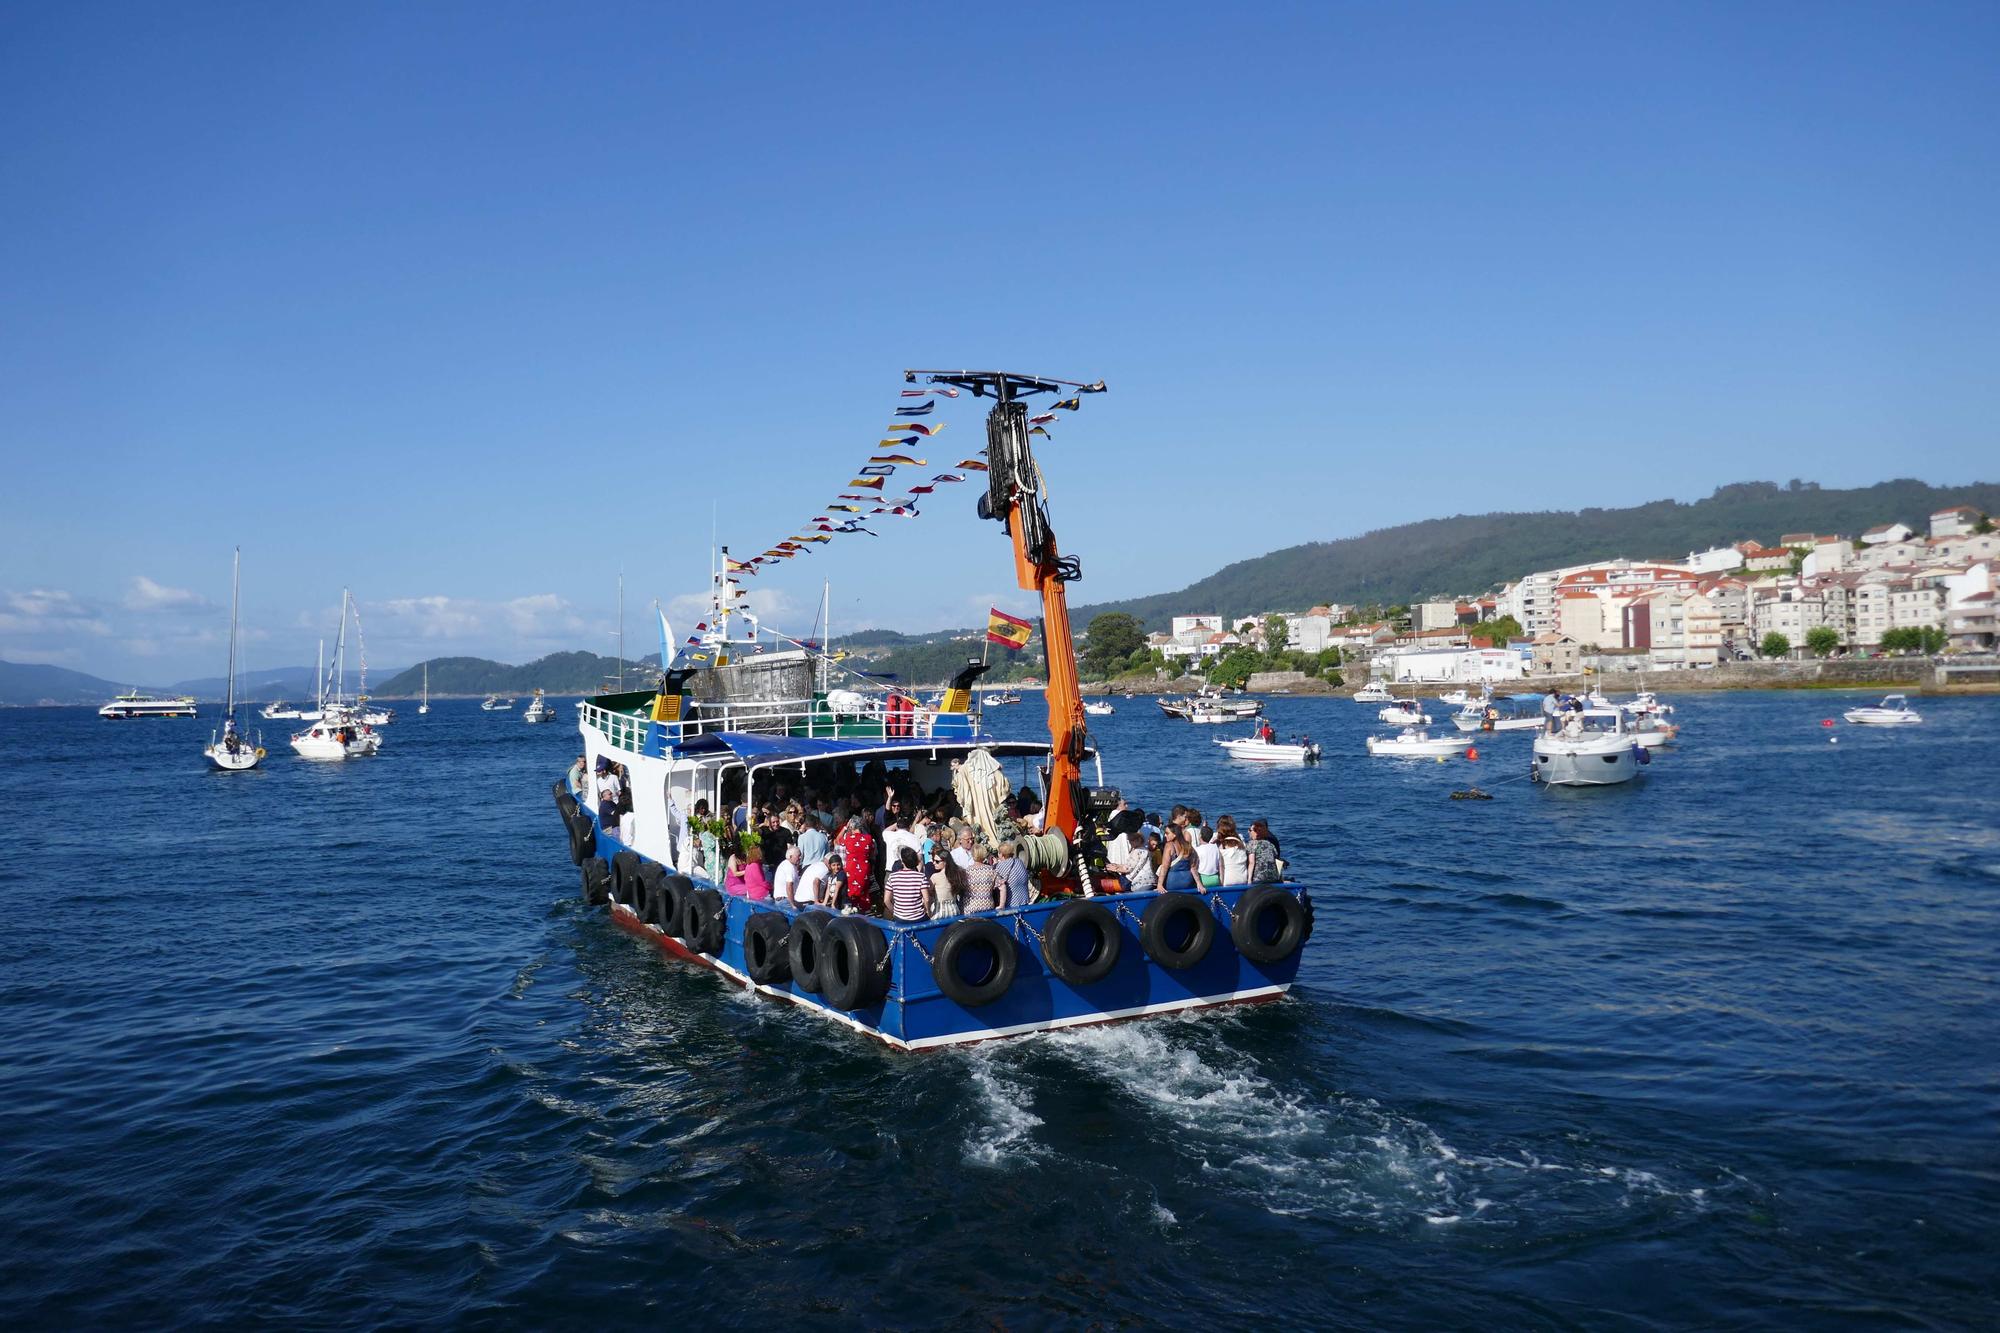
[1294, 1152]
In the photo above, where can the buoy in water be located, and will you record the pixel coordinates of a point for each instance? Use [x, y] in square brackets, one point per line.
[1472, 752]
[1826, 722]
[1833, 740]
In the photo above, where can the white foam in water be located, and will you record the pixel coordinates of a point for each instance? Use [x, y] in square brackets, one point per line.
[1007, 1127]
[1348, 1157]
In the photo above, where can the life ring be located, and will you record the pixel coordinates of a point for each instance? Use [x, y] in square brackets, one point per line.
[671, 897]
[805, 949]
[765, 953]
[1268, 924]
[1082, 942]
[596, 881]
[853, 963]
[705, 922]
[1177, 930]
[625, 880]
[975, 961]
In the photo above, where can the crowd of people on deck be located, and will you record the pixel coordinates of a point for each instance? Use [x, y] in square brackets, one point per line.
[873, 842]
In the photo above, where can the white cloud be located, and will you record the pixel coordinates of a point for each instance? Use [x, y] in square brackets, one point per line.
[40, 611]
[146, 595]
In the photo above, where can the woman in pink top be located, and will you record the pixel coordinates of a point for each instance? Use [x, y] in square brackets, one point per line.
[745, 874]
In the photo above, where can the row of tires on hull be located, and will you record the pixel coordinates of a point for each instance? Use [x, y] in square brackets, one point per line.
[845, 959]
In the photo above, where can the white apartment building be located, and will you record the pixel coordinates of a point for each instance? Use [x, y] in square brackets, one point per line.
[1716, 560]
[1184, 626]
[1957, 521]
[1678, 629]
[1407, 663]
[1433, 615]
[1883, 534]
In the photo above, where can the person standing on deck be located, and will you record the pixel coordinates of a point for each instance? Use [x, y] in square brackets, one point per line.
[813, 843]
[1012, 872]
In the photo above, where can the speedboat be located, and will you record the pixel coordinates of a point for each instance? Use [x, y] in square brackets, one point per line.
[1652, 732]
[539, 710]
[278, 710]
[1404, 713]
[495, 704]
[134, 704]
[1099, 709]
[1893, 711]
[1416, 743]
[1510, 713]
[1256, 750]
[378, 717]
[1646, 704]
[1374, 692]
[1455, 698]
[1592, 748]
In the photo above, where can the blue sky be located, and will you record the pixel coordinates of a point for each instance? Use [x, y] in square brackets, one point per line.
[468, 306]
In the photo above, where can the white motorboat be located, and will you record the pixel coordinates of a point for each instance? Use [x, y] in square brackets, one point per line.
[425, 706]
[376, 717]
[1508, 713]
[1455, 698]
[1646, 704]
[1416, 743]
[227, 749]
[1404, 713]
[1592, 748]
[278, 711]
[1256, 750]
[134, 704]
[493, 703]
[1893, 711]
[1652, 732]
[1374, 692]
[338, 736]
[539, 709]
[1099, 709]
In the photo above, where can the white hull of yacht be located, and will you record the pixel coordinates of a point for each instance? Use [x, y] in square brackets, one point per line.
[1418, 747]
[324, 742]
[1403, 717]
[1254, 751]
[1591, 762]
[234, 761]
[1476, 724]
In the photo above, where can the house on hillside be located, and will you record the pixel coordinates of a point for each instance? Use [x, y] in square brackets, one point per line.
[1957, 521]
[1883, 533]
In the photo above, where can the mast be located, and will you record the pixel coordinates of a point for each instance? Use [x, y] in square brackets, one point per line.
[235, 603]
[1013, 496]
[621, 631]
[319, 677]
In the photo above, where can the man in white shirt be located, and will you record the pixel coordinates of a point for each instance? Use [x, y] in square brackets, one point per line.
[810, 890]
[787, 881]
[898, 837]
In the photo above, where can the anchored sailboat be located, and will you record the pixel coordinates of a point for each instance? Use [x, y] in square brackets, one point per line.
[228, 750]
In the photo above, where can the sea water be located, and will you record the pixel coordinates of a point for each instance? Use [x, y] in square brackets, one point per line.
[339, 1043]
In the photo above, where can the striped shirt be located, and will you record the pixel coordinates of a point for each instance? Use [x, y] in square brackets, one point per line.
[906, 894]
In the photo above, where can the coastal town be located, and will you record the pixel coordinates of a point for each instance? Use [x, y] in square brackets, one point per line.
[1889, 589]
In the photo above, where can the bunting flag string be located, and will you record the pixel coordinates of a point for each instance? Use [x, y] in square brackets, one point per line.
[922, 409]
[866, 483]
[920, 427]
[972, 464]
[1070, 404]
[894, 459]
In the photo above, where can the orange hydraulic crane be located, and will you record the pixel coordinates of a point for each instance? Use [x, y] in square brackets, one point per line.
[1014, 496]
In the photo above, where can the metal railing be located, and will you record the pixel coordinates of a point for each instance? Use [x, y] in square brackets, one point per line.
[875, 721]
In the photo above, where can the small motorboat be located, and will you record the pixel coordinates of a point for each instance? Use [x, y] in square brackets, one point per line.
[1404, 713]
[539, 710]
[1416, 743]
[1374, 692]
[278, 710]
[377, 717]
[1646, 704]
[1095, 709]
[493, 703]
[1652, 732]
[1455, 698]
[340, 735]
[1592, 748]
[1257, 750]
[1893, 711]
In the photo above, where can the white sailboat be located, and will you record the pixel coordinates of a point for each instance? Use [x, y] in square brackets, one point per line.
[425, 706]
[228, 750]
[339, 731]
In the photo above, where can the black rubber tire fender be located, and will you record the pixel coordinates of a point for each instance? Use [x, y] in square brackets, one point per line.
[596, 877]
[853, 964]
[582, 837]
[948, 962]
[671, 897]
[1160, 925]
[649, 878]
[708, 918]
[625, 881]
[1082, 920]
[1252, 915]
[766, 950]
[805, 948]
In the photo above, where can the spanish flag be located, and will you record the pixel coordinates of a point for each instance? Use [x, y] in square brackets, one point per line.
[734, 566]
[1008, 631]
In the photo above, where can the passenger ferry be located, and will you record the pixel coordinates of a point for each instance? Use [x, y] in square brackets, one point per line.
[738, 725]
[134, 704]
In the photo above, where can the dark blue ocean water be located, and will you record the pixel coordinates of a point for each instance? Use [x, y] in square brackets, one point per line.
[339, 1044]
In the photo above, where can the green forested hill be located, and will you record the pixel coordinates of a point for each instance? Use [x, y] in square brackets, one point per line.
[1471, 553]
[558, 673]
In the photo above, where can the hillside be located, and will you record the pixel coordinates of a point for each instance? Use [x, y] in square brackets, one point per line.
[25, 684]
[558, 673]
[1471, 553]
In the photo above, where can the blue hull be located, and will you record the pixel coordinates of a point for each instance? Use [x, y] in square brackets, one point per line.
[916, 1015]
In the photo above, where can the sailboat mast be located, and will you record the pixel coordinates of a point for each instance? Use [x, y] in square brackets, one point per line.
[235, 603]
[319, 676]
[621, 631]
